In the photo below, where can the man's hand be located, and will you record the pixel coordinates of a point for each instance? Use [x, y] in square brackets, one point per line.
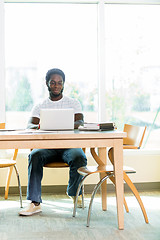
[33, 123]
[78, 120]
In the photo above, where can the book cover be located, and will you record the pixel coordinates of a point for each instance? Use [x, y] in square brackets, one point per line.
[98, 126]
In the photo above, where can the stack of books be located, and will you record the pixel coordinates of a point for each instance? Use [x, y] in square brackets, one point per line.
[105, 126]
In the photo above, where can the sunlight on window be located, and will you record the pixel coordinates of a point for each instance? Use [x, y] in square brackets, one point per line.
[133, 69]
[54, 35]
[42, 36]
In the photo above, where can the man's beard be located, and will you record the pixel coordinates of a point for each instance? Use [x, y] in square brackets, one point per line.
[53, 95]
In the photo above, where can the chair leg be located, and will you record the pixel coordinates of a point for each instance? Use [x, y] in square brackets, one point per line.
[93, 194]
[77, 194]
[136, 194]
[19, 185]
[83, 196]
[125, 203]
[126, 206]
[8, 181]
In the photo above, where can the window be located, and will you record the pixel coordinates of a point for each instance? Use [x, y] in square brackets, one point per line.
[43, 36]
[133, 67]
[39, 36]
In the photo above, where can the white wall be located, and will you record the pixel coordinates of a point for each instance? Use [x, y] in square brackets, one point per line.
[146, 164]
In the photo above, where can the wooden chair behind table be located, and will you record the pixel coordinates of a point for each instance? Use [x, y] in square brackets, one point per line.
[10, 164]
[135, 136]
[64, 165]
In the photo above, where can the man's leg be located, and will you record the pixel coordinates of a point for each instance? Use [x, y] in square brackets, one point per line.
[75, 158]
[36, 160]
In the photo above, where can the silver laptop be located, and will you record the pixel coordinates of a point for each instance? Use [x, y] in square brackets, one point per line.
[57, 119]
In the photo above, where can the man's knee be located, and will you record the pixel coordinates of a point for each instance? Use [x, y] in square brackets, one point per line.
[35, 157]
[79, 158]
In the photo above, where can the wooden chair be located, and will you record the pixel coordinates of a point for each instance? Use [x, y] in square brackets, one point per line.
[10, 163]
[135, 136]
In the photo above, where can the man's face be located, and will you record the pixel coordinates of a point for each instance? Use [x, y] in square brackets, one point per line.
[55, 85]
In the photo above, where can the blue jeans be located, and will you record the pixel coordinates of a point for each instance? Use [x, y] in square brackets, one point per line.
[74, 157]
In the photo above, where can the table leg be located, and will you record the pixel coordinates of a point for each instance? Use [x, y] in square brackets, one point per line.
[118, 168]
[102, 153]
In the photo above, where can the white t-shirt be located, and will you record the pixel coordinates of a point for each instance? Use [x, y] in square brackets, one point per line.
[64, 102]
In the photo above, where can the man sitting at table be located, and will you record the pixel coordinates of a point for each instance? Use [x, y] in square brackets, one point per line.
[75, 158]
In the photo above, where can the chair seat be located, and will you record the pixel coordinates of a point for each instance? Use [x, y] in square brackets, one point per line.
[99, 169]
[56, 165]
[7, 163]
[125, 146]
[10, 163]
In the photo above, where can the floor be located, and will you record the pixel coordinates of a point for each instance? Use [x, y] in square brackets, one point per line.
[56, 221]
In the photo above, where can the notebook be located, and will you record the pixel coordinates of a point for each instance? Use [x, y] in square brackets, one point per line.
[103, 126]
[57, 119]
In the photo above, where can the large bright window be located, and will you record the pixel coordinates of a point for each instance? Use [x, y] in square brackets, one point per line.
[108, 50]
[43, 36]
[133, 67]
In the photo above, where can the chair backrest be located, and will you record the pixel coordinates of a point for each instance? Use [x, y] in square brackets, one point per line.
[135, 136]
[2, 125]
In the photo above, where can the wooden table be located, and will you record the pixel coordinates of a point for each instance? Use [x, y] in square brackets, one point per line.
[29, 139]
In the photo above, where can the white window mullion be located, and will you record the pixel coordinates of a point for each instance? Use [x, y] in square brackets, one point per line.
[101, 62]
[2, 64]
